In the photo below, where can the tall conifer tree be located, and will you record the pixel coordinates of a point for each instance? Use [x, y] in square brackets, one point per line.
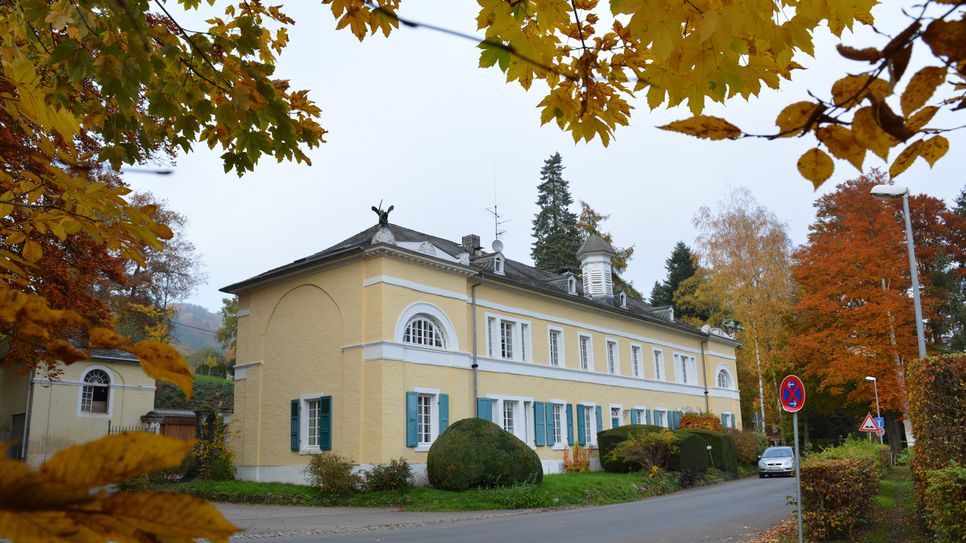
[556, 239]
[680, 266]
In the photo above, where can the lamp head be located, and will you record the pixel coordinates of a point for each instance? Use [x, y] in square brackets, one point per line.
[870, 378]
[889, 192]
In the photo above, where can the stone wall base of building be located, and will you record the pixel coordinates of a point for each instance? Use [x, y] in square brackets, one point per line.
[296, 474]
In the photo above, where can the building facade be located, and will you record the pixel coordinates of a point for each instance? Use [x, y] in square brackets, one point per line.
[371, 348]
[86, 401]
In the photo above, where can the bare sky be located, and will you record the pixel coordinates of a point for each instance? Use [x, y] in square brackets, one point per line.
[415, 123]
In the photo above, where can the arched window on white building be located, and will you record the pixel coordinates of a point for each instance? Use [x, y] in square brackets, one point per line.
[424, 330]
[724, 379]
[96, 394]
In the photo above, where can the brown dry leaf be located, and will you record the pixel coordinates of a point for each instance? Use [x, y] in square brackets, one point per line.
[113, 459]
[65, 352]
[870, 54]
[105, 338]
[705, 127]
[849, 91]
[923, 116]
[905, 159]
[898, 64]
[163, 514]
[868, 133]
[45, 527]
[947, 38]
[842, 144]
[163, 362]
[921, 88]
[816, 166]
[887, 120]
[933, 149]
[798, 117]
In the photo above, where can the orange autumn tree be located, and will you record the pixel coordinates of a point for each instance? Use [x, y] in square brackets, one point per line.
[855, 315]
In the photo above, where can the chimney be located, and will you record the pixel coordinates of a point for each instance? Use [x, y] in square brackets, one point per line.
[471, 244]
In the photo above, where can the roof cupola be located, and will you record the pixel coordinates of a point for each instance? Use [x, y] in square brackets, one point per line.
[595, 267]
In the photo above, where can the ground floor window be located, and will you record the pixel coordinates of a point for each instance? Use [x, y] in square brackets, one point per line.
[660, 418]
[313, 429]
[556, 427]
[424, 419]
[509, 416]
[615, 417]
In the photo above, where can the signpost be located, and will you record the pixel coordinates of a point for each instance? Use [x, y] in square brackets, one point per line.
[792, 397]
[880, 422]
[869, 425]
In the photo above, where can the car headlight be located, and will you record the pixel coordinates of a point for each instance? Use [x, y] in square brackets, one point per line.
[761, 463]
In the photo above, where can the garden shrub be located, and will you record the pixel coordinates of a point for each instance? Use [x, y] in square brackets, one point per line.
[860, 448]
[477, 453]
[904, 458]
[578, 462]
[838, 488]
[945, 503]
[646, 450]
[691, 459]
[936, 403]
[211, 458]
[724, 455]
[748, 445]
[395, 475]
[607, 440]
[332, 474]
[702, 421]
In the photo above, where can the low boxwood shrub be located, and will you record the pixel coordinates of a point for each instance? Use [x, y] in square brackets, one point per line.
[724, 455]
[691, 459]
[608, 440]
[703, 421]
[945, 504]
[477, 453]
[332, 474]
[395, 475]
[837, 493]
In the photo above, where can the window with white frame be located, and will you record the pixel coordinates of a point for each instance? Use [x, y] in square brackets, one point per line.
[615, 417]
[612, 356]
[660, 418]
[686, 368]
[424, 330]
[509, 416]
[590, 424]
[636, 360]
[638, 415]
[424, 418]
[556, 347]
[508, 339]
[556, 425]
[96, 394]
[498, 265]
[724, 380]
[586, 353]
[659, 373]
[312, 408]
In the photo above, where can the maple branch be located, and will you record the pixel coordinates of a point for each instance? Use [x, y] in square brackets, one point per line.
[580, 30]
[191, 42]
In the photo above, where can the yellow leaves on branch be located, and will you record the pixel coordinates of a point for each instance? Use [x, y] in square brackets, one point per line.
[164, 362]
[705, 127]
[930, 150]
[921, 88]
[66, 499]
[816, 166]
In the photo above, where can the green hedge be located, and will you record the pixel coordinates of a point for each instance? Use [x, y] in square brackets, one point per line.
[691, 457]
[938, 418]
[723, 450]
[836, 493]
[945, 505]
[477, 453]
[209, 393]
[859, 448]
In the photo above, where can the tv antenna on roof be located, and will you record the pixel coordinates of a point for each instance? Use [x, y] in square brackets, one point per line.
[498, 220]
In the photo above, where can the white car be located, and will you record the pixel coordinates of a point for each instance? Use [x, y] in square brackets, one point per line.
[776, 461]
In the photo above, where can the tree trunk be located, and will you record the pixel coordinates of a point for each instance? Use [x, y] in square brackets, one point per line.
[761, 384]
[900, 379]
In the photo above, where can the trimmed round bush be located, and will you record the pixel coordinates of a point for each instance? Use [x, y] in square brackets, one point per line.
[608, 439]
[477, 453]
[723, 449]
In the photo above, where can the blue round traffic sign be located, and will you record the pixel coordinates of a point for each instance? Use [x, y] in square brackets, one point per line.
[792, 394]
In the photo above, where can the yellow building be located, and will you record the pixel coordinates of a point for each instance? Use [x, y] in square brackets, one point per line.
[85, 402]
[372, 347]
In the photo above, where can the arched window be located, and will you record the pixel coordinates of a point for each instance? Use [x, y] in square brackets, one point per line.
[724, 380]
[95, 396]
[424, 330]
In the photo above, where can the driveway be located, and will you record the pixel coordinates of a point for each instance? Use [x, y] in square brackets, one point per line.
[728, 512]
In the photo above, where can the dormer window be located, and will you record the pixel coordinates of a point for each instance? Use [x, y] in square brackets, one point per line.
[498, 265]
[571, 285]
[622, 299]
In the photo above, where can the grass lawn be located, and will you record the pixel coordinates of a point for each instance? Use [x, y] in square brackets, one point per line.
[561, 490]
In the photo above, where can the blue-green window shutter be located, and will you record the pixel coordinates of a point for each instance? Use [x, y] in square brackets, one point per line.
[724, 420]
[325, 423]
[634, 418]
[677, 420]
[581, 430]
[647, 416]
[412, 408]
[539, 423]
[295, 425]
[484, 408]
[551, 438]
[570, 424]
[443, 412]
[600, 421]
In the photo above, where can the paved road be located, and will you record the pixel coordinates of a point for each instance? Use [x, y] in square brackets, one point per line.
[728, 512]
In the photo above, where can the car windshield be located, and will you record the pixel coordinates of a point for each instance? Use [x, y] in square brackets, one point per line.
[777, 452]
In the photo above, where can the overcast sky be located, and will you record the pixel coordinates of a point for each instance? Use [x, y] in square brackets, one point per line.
[414, 122]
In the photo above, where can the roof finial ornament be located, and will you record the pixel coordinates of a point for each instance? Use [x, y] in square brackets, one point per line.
[383, 215]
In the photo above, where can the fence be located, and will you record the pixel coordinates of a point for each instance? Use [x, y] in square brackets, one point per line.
[117, 429]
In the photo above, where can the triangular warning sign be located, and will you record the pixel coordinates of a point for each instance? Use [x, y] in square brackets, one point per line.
[868, 425]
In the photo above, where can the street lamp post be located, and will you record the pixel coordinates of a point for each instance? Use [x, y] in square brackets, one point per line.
[891, 192]
[875, 386]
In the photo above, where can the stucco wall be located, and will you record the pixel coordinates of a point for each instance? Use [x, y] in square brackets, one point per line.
[56, 420]
[13, 398]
